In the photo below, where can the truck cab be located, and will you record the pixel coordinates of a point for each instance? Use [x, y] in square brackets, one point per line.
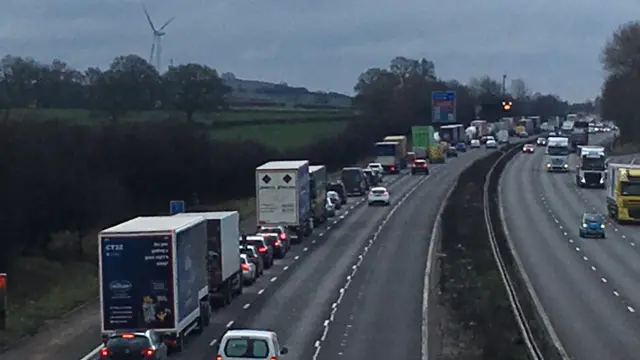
[591, 170]
[623, 194]
[557, 154]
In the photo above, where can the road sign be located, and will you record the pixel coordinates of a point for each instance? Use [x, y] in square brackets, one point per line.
[421, 136]
[443, 106]
[176, 207]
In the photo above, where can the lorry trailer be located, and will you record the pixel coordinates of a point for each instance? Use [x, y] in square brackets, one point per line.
[283, 196]
[224, 273]
[318, 189]
[153, 276]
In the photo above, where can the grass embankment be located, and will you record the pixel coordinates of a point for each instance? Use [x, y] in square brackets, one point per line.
[235, 114]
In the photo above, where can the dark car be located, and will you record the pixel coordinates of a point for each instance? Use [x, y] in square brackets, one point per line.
[338, 187]
[462, 147]
[285, 236]
[279, 249]
[354, 181]
[264, 249]
[254, 257]
[372, 177]
[452, 152]
[134, 345]
[592, 225]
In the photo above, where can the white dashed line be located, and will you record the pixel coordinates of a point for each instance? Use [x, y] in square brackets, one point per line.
[616, 293]
[593, 268]
[321, 234]
[285, 268]
[603, 280]
[260, 291]
[273, 279]
[213, 342]
[296, 257]
[229, 324]
[632, 310]
[313, 242]
[246, 306]
[305, 249]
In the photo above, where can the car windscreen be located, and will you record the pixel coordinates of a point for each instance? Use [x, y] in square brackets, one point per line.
[378, 192]
[246, 348]
[593, 219]
[256, 243]
[274, 230]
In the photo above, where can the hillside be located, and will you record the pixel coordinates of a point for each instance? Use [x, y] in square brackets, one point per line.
[262, 93]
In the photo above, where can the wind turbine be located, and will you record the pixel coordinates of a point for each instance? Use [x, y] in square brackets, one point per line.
[156, 47]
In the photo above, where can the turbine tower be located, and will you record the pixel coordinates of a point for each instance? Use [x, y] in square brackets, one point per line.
[156, 46]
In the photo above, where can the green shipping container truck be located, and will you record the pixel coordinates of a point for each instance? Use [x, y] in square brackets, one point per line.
[422, 139]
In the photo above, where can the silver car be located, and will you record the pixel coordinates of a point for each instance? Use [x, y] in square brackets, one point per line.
[335, 199]
[249, 273]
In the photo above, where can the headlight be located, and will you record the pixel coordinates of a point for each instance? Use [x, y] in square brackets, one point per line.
[602, 226]
[584, 225]
[582, 179]
[566, 166]
[548, 165]
[601, 180]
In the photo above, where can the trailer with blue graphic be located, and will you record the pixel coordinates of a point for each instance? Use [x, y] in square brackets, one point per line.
[153, 276]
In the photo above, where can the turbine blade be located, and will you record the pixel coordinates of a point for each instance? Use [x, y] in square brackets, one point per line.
[149, 18]
[167, 23]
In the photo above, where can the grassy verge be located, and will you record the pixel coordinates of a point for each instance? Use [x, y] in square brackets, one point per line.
[282, 136]
[241, 115]
[471, 288]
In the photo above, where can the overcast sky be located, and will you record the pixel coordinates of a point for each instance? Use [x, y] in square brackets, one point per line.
[325, 44]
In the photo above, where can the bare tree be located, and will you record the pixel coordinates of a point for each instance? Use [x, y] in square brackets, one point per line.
[621, 54]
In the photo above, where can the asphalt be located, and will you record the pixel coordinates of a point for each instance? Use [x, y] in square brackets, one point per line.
[588, 288]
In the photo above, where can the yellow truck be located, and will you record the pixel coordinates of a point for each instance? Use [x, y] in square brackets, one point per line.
[399, 139]
[623, 192]
[435, 154]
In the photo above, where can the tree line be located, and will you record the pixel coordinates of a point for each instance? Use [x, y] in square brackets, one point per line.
[77, 178]
[621, 62]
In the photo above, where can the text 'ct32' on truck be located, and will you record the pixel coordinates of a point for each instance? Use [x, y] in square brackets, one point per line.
[224, 271]
[623, 193]
[556, 156]
[153, 276]
[592, 167]
[283, 197]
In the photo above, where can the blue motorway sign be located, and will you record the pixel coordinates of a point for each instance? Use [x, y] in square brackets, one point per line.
[176, 207]
[443, 107]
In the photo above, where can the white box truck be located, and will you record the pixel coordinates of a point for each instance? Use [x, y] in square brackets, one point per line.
[153, 275]
[283, 196]
[223, 255]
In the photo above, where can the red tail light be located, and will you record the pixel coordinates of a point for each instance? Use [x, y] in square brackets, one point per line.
[277, 243]
[245, 267]
[370, 193]
[274, 358]
[386, 193]
[393, 168]
[104, 352]
[148, 352]
[262, 249]
[283, 236]
[218, 357]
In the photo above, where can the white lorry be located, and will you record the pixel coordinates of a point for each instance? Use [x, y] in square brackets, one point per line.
[223, 255]
[283, 196]
[153, 276]
[557, 154]
[591, 169]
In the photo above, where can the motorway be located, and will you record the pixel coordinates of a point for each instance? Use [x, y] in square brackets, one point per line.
[588, 288]
[385, 246]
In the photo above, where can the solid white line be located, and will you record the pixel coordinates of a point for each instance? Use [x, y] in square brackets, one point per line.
[93, 353]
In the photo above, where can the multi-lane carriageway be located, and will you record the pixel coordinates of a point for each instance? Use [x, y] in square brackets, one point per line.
[589, 289]
[350, 290]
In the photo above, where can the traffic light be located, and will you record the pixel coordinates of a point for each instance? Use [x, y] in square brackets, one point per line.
[506, 105]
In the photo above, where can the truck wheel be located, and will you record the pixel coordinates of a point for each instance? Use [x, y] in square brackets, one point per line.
[228, 295]
[205, 313]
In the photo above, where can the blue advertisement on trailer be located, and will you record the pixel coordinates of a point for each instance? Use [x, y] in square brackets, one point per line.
[137, 285]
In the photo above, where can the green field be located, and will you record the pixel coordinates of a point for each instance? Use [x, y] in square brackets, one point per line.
[283, 136]
[236, 114]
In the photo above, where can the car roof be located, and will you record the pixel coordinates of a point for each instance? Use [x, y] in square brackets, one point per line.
[375, 164]
[592, 216]
[367, 170]
[265, 334]
[254, 237]
[379, 188]
[419, 160]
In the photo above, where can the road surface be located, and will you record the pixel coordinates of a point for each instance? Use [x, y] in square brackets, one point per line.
[588, 288]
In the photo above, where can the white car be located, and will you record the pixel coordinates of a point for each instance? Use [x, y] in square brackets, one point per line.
[329, 207]
[491, 144]
[250, 344]
[335, 199]
[378, 195]
[377, 168]
[541, 141]
[475, 143]
[249, 272]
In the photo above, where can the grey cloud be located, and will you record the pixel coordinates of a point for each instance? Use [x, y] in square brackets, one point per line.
[553, 45]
